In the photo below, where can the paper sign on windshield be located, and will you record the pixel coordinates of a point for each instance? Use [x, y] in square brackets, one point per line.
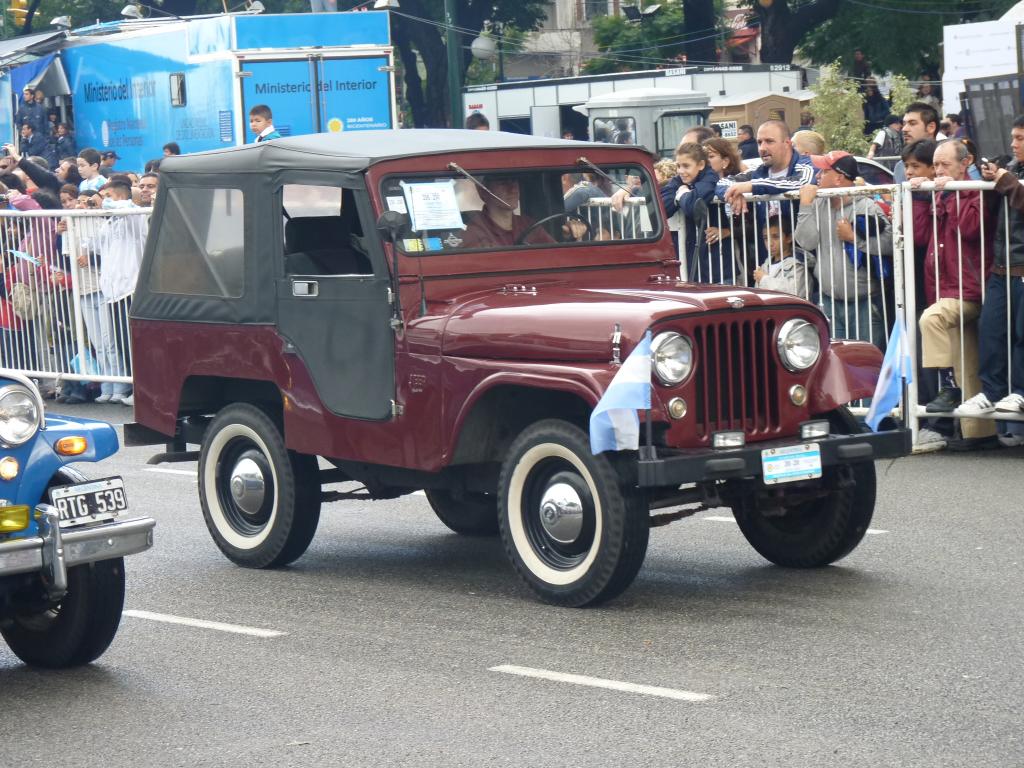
[432, 205]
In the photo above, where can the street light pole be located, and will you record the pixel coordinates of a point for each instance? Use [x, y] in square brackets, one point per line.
[454, 62]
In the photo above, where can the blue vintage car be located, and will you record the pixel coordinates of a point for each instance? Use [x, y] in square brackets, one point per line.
[62, 537]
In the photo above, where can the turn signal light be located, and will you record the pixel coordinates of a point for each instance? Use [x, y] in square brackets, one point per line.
[9, 468]
[71, 446]
[14, 519]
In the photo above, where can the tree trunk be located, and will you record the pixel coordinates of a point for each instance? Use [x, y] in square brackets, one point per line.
[699, 22]
[428, 101]
[782, 30]
[29, 16]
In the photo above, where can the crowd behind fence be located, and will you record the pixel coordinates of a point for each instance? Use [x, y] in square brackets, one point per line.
[66, 289]
[68, 275]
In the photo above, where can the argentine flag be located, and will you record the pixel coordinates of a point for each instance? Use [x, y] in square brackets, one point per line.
[614, 424]
[897, 367]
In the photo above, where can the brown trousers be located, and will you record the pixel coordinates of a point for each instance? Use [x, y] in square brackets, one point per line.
[941, 344]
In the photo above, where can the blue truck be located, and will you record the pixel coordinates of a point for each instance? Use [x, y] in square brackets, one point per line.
[135, 85]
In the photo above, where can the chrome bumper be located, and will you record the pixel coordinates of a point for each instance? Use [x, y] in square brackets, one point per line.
[56, 550]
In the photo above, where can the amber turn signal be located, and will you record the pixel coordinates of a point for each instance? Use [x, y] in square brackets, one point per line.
[71, 446]
[14, 519]
[9, 468]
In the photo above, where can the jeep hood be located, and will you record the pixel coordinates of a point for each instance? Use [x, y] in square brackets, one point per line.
[565, 323]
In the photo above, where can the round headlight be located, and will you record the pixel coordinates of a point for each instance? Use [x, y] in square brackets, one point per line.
[672, 357]
[19, 415]
[799, 345]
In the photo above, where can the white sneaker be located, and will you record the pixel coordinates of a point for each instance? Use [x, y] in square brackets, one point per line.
[104, 398]
[976, 406]
[117, 397]
[1011, 404]
[129, 401]
[929, 440]
[1010, 440]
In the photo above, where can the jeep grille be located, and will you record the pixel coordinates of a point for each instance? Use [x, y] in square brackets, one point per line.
[737, 377]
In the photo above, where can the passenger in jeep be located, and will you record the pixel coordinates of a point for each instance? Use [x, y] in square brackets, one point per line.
[498, 224]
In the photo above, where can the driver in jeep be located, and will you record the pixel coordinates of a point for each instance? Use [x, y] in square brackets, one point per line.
[499, 225]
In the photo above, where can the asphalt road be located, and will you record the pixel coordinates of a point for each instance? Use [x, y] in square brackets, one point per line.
[907, 653]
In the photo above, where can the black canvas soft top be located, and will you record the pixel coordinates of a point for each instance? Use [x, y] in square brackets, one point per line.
[349, 152]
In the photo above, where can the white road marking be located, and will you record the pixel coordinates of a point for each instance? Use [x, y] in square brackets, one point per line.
[597, 682]
[875, 531]
[418, 493]
[187, 472]
[237, 629]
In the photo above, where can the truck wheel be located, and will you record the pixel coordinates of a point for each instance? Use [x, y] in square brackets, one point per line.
[820, 531]
[261, 502]
[80, 628]
[574, 533]
[473, 514]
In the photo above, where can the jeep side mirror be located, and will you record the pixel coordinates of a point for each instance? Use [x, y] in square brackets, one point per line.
[390, 225]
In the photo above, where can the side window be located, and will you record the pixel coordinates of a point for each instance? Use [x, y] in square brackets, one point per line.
[322, 232]
[200, 248]
[178, 98]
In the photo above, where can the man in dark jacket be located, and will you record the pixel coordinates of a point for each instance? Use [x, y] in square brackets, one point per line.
[782, 170]
[747, 143]
[31, 112]
[1002, 379]
[32, 143]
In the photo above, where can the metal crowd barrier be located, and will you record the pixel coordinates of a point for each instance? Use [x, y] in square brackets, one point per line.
[886, 273]
[632, 221]
[65, 290]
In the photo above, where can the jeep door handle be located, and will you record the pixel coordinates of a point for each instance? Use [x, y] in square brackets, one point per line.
[305, 289]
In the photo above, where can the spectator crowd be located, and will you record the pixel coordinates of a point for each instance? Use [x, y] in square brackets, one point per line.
[834, 246]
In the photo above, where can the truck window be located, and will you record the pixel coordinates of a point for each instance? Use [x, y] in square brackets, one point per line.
[200, 246]
[524, 209]
[671, 128]
[178, 97]
[322, 231]
[618, 130]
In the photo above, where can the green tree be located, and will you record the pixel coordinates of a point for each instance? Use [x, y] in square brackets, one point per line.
[627, 45]
[838, 109]
[784, 24]
[895, 36]
[418, 34]
[901, 94]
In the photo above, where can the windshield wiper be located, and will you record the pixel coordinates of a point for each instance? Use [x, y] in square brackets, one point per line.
[583, 161]
[463, 172]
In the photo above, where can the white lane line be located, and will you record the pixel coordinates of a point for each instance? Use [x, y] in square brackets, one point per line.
[188, 472]
[237, 629]
[724, 519]
[418, 493]
[597, 682]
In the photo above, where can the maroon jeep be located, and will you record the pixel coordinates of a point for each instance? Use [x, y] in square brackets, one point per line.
[442, 311]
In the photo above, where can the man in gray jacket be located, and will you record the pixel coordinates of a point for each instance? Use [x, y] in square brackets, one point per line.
[853, 241]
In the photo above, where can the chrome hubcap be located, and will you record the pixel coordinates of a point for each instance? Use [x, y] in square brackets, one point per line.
[561, 513]
[248, 486]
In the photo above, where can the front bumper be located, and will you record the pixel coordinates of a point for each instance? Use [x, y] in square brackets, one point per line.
[56, 550]
[680, 467]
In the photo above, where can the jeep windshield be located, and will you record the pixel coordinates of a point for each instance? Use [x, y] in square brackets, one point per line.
[534, 208]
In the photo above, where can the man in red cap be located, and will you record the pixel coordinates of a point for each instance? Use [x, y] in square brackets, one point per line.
[850, 235]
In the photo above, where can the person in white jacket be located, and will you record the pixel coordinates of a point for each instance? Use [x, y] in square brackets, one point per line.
[784, 270]
[117, 246]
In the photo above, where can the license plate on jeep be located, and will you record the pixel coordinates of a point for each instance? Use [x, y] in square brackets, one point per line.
[89, 502]
[787, 465]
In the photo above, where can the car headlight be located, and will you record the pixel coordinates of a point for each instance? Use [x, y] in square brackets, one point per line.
[799, 344]
[671, 357]
[19, 415]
